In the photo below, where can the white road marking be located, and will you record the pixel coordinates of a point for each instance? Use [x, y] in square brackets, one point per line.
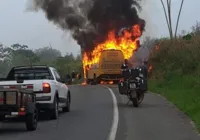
[113, 130]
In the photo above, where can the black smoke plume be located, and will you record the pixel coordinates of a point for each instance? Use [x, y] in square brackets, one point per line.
[89, 21]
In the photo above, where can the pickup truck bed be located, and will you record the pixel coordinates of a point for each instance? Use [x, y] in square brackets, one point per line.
[51, 92]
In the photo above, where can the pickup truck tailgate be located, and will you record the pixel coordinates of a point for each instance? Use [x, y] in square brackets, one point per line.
[37, 84]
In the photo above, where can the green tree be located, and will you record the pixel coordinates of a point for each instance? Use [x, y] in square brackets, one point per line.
[17, 55]
[47, 55]
[4, 60]
[22, 55]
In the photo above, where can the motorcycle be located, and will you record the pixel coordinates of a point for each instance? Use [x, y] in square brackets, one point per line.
[133, 85]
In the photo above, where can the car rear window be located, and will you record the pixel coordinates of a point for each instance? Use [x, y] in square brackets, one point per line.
[29, 74]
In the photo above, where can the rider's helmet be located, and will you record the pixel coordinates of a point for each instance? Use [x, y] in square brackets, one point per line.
[126, 61]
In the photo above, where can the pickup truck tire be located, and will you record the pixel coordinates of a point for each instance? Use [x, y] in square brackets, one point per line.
[68, 102]
[54, 111]
[31, 121]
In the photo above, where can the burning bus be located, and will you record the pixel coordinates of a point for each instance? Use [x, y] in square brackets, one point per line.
[104, 62]
[107, 69]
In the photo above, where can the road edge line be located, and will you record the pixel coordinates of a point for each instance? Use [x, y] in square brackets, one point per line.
[178, 110]
[114, 127]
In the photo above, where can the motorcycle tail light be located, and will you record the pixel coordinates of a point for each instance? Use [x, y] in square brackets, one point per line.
[121, 80]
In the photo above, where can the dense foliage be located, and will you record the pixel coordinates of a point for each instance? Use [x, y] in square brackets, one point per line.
[19, 55]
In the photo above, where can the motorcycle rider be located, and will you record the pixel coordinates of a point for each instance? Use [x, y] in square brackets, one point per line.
[124, 68]
[125, 65]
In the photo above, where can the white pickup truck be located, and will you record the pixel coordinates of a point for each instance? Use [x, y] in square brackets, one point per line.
[51, 92]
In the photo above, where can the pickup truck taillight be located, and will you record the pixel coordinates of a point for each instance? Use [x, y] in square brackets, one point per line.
[46, 88]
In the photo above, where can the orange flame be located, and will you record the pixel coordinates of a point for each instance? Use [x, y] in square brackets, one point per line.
[158, 47]
[150, 68]
[84, 83]
[127, 43]
[106, 82]
[110, 82]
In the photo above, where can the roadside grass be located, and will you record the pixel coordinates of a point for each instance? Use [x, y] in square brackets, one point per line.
[182, 92]
[176, 75]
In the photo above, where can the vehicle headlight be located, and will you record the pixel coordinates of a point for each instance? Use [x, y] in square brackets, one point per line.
[132, 85]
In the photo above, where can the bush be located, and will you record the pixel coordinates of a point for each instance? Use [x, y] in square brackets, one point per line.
[176, 73]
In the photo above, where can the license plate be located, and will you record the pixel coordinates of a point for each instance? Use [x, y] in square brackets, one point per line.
[141, 75]
[132, 85]
[10, 116]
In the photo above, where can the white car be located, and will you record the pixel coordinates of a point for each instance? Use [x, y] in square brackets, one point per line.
[51, 92]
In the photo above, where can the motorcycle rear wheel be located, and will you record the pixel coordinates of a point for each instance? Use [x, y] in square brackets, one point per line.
[135, 102]
[134, 99]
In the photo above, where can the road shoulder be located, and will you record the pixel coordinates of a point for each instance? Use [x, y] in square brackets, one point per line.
[155, 119]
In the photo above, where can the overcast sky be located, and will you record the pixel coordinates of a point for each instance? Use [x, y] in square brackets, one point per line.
[33, 29]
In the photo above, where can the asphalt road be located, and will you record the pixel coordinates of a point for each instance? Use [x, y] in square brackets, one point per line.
[155, 119]
[91, 118]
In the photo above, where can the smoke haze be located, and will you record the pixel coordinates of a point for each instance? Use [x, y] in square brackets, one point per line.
[89, 21]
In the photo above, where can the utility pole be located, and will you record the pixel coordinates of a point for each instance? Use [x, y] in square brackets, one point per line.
[167, 12]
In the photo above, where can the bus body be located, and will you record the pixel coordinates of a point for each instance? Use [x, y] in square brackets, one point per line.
[108, 68]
